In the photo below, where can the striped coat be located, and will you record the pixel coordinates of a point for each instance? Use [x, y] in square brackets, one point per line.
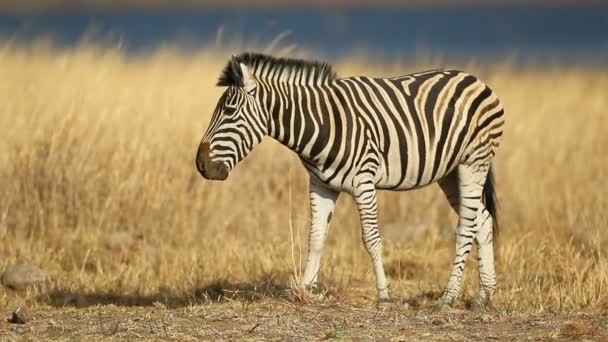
[360, 134]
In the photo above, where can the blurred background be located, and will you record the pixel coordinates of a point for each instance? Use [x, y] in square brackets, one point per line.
[102, 108]
[564, 30]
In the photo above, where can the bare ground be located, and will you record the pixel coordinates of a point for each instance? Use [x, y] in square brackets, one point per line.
[290, 318]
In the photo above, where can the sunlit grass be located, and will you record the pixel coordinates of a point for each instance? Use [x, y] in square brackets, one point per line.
[96, 142]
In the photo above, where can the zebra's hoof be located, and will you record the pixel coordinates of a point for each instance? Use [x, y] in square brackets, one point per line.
[444, 305]
[312, 288]
[480, 305]
[385, 304]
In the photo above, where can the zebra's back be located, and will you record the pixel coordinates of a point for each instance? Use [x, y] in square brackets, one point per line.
[421, 126]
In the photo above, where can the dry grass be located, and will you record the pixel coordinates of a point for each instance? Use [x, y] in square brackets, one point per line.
[95, 143]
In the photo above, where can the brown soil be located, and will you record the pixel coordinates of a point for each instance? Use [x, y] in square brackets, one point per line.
[278, 320]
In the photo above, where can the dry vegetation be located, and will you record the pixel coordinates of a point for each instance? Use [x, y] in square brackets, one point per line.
[94, 142]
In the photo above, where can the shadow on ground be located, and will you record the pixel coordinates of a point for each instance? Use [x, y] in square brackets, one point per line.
[267, 286]
[213, 292]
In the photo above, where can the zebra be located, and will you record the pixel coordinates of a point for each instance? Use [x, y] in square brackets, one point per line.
[358, 135]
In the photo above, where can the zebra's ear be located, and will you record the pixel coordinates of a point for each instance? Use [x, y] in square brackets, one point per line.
[249, 82]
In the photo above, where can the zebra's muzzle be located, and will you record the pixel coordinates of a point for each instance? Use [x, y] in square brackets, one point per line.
[208, 168]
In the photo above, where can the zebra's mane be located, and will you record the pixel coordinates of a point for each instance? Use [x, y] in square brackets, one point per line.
[264, 67]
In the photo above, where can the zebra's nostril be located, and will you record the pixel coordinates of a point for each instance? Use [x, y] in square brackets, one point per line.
[200, 161]
[200, 166]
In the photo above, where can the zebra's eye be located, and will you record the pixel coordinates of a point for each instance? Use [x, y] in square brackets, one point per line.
[229, 110]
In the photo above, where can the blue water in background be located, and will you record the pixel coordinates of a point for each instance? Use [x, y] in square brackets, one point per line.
[568, 34]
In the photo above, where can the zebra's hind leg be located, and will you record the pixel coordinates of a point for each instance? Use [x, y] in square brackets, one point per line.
[484, 239]
[322, 204]
[365, 197]
[485, 253]
[471, 180]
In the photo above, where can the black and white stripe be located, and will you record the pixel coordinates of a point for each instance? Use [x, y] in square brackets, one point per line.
[360, 134]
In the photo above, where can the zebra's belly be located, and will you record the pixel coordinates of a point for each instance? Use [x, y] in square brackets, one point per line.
[409, 183]
[415, 172]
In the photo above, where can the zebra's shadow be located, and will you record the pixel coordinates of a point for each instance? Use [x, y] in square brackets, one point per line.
[266, 286]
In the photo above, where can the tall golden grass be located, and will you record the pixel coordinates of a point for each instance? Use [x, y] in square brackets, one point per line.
[96, 142]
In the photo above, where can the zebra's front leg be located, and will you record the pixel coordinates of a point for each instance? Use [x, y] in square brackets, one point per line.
[470, 186]
[322, 204]
[365, 197]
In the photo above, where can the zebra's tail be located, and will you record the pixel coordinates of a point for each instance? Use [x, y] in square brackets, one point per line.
[490, 201]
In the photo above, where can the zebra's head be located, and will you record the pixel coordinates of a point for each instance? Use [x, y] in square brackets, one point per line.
[237, 124]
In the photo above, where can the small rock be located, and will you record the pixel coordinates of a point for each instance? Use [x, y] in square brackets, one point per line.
[440, 321]
[573, 329]
[120, 241]
[23, 275]
[21, 315]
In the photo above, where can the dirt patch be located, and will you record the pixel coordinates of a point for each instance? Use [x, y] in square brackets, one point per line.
[277, 319]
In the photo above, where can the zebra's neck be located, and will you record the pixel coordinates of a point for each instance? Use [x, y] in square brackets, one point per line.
[298, 117]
